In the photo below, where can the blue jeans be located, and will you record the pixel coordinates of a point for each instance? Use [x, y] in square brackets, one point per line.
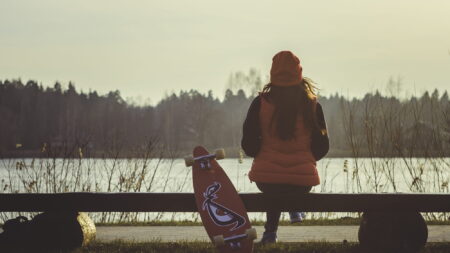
[273, 217]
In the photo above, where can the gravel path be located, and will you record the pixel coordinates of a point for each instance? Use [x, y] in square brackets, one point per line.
[285, 233]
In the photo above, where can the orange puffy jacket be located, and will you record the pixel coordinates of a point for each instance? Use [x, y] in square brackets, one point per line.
[283, 162]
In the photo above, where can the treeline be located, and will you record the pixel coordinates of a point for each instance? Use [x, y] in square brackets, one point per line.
[34, 119]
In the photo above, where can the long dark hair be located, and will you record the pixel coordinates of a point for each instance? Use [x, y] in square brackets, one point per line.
[292, 102]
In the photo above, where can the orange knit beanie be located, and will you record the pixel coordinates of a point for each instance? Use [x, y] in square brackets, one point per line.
[286, 69]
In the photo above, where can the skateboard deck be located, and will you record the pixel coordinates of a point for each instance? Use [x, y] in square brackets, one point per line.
[221, 209]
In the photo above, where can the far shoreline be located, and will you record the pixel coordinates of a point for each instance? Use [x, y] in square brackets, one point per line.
[231, 153]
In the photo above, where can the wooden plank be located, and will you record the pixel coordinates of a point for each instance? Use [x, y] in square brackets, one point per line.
[255, 202]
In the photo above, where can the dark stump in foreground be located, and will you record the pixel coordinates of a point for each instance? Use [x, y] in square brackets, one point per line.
[392, 232]
[47, 232]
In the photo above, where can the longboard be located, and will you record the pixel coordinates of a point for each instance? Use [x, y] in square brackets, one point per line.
[221, 209]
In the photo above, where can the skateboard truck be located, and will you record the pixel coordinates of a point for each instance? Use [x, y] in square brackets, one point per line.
[205, 159]
[234, 241]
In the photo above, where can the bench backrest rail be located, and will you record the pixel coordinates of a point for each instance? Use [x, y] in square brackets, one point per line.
[255, 202]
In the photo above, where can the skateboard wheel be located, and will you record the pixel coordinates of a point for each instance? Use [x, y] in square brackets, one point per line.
[220, 154]
[219, 241]
[189, 161]
[251, 234]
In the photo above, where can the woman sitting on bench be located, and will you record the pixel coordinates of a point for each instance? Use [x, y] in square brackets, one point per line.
[285, 132]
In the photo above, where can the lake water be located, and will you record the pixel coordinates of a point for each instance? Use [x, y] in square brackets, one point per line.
[338, 175]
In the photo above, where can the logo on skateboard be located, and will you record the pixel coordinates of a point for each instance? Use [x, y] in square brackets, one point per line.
[221, 215]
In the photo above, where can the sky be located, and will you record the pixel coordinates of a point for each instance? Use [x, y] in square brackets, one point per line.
[148, 49]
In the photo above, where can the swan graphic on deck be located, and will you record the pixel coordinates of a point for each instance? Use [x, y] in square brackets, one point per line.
[221, 215]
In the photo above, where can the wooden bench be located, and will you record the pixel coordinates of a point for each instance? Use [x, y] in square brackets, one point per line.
[392, 220]
[255, 202]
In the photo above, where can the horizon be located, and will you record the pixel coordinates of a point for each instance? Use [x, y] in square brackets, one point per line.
[149, 49]
[139, 102]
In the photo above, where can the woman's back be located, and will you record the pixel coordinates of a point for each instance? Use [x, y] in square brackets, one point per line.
[301, 140]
